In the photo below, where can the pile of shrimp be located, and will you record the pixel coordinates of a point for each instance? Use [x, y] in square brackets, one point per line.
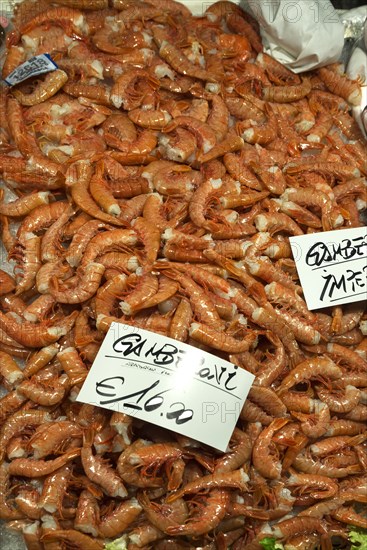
[158, 174]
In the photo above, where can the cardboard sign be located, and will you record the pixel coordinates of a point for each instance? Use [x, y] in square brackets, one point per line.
[332, 266]
[167, 383]
[40, 64]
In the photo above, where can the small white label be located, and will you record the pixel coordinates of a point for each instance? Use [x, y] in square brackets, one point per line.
[332, 266]
[167, 383]
[39, 64]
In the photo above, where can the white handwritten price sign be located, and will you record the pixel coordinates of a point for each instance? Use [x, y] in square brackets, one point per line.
[332, 266]
[40, 64]
[167, 383]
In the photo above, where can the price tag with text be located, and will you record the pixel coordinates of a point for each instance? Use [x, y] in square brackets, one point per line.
[40, 64]
[332, 266]
[167, 383]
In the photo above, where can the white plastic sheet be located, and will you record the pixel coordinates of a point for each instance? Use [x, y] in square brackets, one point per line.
[357, 68]
[302, 34]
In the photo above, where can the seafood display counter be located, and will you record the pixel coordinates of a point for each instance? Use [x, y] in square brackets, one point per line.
[153, 177]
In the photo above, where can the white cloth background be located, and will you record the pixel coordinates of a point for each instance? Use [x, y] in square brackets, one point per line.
[302, 34]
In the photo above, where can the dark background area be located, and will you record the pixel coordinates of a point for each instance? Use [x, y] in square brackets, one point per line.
[348, 4]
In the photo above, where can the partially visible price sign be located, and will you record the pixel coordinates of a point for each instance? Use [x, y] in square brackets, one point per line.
[167, 383]
[332, 266]
[40, 64]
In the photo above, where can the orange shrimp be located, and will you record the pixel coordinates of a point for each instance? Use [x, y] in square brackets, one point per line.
[243, 24]
[340, 402]
[73, 537]
[7, 283]
[203, 133]
[51, 437]
[266, 464]
[72, 20]
[314, 366]
[84, 4]
[85, 286]
[150, 236]
[39, 360]
[44, 393]
[15, 56]
[287, 94]
[98, 471]
[81, 173]
[50, 244]
[54, 489]
[73, 365]
[52, 83]
[100, 192]
[127, 467]
[145, 289]
[219, 340]
[23, 206]
[119, 519]
[319, 487]
[28, 467]
[154, 119]
[253, 288]
[165, 515]
[234, 46]
[296, 525]
[211, 513]
[277, 72]
[7, 509]
[98, 93]
[259, 133]
[36, 336]
[172, 6]
[341, 85]
[129, 89]
[180, 63]
[9, 371]
[220, 479]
